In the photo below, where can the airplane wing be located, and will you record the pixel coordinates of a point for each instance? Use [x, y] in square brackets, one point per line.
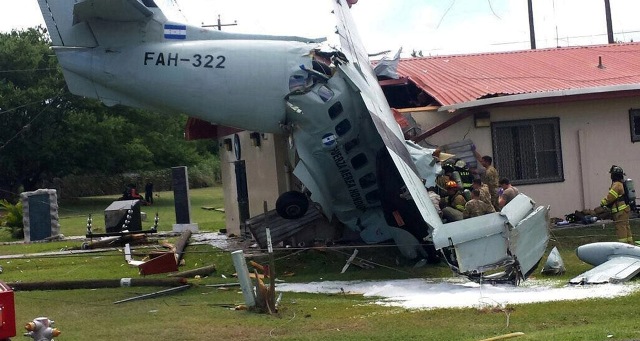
[617, 269]
[358, 70]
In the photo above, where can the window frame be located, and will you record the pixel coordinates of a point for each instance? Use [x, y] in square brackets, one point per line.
[634, 114]
[497, 159]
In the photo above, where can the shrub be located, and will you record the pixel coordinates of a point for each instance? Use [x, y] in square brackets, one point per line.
[12, 218]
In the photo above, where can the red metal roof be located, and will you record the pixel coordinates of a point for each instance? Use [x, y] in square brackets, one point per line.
[461, 78]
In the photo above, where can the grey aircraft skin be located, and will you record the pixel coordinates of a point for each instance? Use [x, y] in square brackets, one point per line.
[613, 262]
[351, 154]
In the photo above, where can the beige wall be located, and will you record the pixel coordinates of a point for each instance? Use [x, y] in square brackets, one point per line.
[594, 135]
[265, 175]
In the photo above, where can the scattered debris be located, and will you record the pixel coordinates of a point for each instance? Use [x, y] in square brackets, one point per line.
[223, 285]
[554, 264]
[504, 337]
[203, 271]
[346, 266]
[97, 284]
[166, 262]
[155, 294]
[182, 244]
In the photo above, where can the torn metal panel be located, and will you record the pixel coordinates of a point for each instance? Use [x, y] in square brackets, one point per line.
[480, 243]
[281, 229]
[528, 240]
[514, 239]
[614, 262]
[616, 270]
[554, 264]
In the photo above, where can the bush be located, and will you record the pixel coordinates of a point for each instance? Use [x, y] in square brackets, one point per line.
[12, 218]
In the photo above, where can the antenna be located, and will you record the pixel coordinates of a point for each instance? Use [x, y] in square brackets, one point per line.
[220, 24]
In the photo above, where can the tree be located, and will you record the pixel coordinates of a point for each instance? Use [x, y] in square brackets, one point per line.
[46, 132]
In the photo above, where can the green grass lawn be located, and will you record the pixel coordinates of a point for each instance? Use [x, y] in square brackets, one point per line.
[202, 312]
[74, 212]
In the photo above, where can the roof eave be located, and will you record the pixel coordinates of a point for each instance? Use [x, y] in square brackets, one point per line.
[537, 95]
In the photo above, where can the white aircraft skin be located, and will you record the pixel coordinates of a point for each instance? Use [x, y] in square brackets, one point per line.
[613, 262]
[353, 158]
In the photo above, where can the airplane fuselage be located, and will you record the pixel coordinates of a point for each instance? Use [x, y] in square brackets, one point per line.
[240, 84]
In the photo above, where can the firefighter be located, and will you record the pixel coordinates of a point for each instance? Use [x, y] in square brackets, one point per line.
[615, 201]
[455, 202]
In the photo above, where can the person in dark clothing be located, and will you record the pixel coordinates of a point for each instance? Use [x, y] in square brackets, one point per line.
[148, 193]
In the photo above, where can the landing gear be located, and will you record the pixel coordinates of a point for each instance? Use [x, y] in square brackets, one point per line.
[292, 205]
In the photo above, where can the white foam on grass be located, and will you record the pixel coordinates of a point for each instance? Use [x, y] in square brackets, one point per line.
[458, 293]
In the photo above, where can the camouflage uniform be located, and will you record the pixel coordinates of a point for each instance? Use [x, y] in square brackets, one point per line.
[490, 178]
[477, 207]
[620, 211]
[485, 195]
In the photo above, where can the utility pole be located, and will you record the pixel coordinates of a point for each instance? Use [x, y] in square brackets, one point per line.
[220, 24]
[607, 9]
[532, 33]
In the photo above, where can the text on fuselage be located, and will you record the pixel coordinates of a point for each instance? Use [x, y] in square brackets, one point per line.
[174, 59]
[348, 179]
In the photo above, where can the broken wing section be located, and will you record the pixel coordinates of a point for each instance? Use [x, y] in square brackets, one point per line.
[513, 240]
[616, 270]
[357, 69]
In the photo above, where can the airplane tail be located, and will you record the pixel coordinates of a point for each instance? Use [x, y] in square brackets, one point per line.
[58, 16]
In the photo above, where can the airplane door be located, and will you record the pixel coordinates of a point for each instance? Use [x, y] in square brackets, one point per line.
[241, 187]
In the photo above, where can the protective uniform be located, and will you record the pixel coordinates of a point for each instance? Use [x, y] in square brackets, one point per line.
[456, 200]
[490, 177]
[485, 195]
[455, 203]
[620, 211]
[477, 207]
[466, 178]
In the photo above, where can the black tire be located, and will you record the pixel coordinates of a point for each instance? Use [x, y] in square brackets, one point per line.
[292, 205]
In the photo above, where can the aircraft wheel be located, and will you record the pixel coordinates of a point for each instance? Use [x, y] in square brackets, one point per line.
[292, 205]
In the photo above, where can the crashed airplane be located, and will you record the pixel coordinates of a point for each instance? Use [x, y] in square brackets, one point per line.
[352, 156]
[613, 262]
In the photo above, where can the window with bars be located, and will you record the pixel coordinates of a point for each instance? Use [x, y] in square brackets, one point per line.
[634, 122]
[528, 151]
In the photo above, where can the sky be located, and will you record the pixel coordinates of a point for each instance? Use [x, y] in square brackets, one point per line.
[435, 27]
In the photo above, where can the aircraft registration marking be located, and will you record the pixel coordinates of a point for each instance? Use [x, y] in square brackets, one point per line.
[348, 178]
[206, 61]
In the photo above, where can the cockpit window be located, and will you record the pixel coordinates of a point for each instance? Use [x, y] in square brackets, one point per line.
[372, 197]
[343, 127]
[359, 161]
[149, 3]
[367, 180]
[335, 110]
[351, 144]
[325, 93]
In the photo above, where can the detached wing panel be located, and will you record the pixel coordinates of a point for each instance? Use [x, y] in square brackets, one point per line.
[359, 72]
[616, 270]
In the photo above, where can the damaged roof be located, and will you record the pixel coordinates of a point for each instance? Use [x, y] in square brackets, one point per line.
[453, 80]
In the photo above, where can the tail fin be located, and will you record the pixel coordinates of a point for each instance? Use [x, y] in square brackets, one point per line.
[59, 17]
[89, 23]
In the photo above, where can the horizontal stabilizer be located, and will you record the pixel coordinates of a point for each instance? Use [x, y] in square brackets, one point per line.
[616, 270]
[111, 10]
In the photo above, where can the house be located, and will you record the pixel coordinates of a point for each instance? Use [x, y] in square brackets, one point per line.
[554, 121]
